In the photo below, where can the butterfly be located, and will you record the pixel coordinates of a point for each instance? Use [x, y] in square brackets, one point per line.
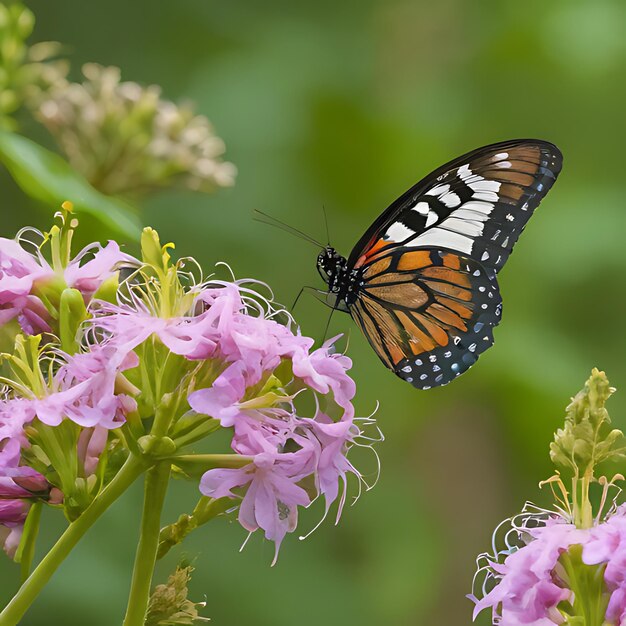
[421, 283]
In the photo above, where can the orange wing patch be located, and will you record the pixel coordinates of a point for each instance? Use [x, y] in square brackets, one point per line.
[414, 260]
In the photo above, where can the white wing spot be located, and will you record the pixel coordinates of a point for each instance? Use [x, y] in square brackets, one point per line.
[399, 232]
[479, 205]
[451, 200]
[422, 208]
[464, 227]
[445, 238]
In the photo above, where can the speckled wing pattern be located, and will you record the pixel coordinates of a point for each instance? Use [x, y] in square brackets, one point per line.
[429, 299]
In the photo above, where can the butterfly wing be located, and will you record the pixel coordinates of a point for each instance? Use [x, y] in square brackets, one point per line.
[427, 313]
[476, 205]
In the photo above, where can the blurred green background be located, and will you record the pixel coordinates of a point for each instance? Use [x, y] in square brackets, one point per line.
[345, 105]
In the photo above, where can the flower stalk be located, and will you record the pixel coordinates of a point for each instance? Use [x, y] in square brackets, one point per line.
[156, 482]
[17, 607]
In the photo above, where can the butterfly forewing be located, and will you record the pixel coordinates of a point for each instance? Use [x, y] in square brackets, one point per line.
[476, 205]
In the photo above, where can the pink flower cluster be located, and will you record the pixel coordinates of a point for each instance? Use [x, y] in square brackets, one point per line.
[81, 390]
[226, 325]
[230, 323]
[529, 585]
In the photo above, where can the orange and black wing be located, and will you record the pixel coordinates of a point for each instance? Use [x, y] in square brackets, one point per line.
[427, 313]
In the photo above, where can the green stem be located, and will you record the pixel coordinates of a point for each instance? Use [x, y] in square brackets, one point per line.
[157, 480]
[14, 611]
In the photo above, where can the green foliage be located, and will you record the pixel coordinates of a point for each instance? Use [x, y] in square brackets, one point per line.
[45, 176]
[25, 71]
[586, 440]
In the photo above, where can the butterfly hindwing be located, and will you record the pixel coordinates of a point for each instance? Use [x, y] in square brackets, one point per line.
[476, 205]
[427, 313]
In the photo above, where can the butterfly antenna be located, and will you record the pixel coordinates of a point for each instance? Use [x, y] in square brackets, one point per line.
[264, 218]
[326, 223]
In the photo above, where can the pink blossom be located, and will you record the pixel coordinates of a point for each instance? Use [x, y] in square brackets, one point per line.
[83, 390]
[18, 484]
[332, 465]
[91, 444]
[222, 400]
[21, 272]
[87, 277]
[325, 371]
[86, 392]
[226, 324]
[607, 544]
[271, 500]
[18, 271]
[527, 590]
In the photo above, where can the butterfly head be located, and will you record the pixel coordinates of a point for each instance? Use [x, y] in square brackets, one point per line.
[332, 267]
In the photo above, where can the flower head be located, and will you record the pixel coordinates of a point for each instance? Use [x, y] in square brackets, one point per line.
[31, 286]
[125, 139]
[566, 565]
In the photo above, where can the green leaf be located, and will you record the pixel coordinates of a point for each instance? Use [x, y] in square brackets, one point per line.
[26, 549]
[45, 176]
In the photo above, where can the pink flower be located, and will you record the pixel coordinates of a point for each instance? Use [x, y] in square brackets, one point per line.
[87, 277]
[527, 590]
[607, 544]
[332, 465]
[83, 390]
[222, 400]
[21, 272]
[18, 271]
[86, 390]
[529, 585]
[325, 371]
[271, 500]
[91, 444]
[18, 484]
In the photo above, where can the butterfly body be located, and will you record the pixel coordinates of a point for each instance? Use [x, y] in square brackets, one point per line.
[422, 281]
